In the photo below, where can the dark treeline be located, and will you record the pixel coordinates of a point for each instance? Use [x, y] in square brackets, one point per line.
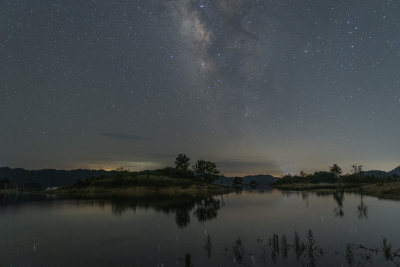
[335, 175]
[35, 180]
[181, 175]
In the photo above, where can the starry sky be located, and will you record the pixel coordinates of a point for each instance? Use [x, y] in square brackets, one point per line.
[273, 86]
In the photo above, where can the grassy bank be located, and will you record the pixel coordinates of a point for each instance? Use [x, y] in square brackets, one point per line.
[387, 189]
[314, 186]
[9, 191]
[141, 184]
[331, 182]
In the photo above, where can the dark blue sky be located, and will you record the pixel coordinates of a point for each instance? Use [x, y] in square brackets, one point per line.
[256, 86]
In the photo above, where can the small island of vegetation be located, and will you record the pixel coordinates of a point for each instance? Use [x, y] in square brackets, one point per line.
[178, 180]
[333, 180]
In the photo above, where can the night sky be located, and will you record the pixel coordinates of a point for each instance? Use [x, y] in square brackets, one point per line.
[272, 86]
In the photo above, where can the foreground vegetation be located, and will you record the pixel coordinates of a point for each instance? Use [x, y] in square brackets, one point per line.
[136, 184]
[301, 250]
[332, 181]
[168, 181]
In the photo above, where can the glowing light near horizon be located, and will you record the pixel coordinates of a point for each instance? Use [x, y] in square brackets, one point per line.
[129, 165]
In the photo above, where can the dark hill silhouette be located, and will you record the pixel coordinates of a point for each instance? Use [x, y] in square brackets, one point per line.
[376, 173]
[396, 171]
[382, 174]
[48, 177]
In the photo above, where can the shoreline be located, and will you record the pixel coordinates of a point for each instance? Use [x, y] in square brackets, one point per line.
[382, 190]
[139, 191]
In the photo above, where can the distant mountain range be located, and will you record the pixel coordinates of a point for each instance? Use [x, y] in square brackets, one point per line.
[52, 177]
[383, 174]
[47, 177]
[396, 171]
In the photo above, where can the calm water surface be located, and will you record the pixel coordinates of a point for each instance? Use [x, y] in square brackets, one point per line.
[234, 229]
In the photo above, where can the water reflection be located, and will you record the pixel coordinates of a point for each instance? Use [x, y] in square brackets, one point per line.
[3, 198]
[339, 199]
[185, 208]
[208, 247]
[238, 250]
[207, 209]
[202, 208]
[338, 196]
[188, 260]
[362, 209]
[304, 196]
[19, 199]
[230, 238]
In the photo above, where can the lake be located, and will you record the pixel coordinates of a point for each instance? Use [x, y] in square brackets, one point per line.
[242, 229]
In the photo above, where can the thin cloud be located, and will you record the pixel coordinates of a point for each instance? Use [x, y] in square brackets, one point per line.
[127, 137]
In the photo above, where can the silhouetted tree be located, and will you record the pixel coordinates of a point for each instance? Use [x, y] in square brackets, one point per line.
[206, 170]
[303, 174]
[356, 169]
[182, 163]
[336, 171]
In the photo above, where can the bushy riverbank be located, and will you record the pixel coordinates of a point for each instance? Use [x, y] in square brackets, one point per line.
[383, 188]
[126, 183]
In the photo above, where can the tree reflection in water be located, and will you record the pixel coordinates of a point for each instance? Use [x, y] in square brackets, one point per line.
[204, 208]
[238, 250]
[207, 209]
[208, 246]
[362, 209]
[182, 216]
[338, 196]
[188, 260]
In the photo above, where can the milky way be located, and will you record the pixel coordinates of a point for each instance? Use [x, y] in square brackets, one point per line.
[256, 86]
